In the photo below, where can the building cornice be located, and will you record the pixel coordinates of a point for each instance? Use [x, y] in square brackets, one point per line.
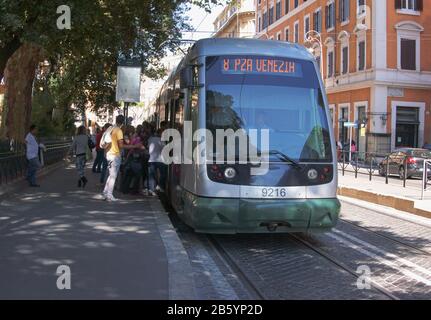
[230, 20]
[386, 77]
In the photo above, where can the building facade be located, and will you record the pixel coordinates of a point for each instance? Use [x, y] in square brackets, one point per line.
[375, 60]
[237, 20]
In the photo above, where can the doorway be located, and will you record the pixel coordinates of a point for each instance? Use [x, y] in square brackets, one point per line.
[361, 134]
[407, 127]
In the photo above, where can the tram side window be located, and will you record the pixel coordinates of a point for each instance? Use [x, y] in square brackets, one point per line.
[179, 114]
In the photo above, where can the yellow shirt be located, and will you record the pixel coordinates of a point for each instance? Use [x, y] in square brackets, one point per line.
[117, 135]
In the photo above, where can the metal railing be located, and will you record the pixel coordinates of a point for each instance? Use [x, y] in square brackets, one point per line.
[371, 164]
[425, 179]
[13, 161]
[377, 166]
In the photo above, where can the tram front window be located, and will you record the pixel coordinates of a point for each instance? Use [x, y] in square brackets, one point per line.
[289, 106]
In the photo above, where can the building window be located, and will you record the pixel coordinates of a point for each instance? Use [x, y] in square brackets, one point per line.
[286, 6]
[330, 72]
[345, 59]
[344, 10]
[265, 20]
[330, 16]
[343, 134]
[278, 10]
[271, 15]
[296, 32]
[306, 25]
[409, 45]
[295, 3]
[279, 36]
[259, 24]
[287, 35]
[361, 9]
[361, 55]
[409, 5]
[408, 54]
[317, 21]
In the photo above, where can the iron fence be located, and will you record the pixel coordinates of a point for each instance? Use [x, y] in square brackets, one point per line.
[377, 165]
[13, 161]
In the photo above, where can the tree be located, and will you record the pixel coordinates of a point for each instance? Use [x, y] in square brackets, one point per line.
[83, 59]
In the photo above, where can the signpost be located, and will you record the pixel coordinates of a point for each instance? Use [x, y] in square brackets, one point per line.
[128, 84]
[350, 125]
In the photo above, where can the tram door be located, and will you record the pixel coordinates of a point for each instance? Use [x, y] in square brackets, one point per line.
[174, 170]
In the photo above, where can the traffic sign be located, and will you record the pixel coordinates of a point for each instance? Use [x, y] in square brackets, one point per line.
[350, 125]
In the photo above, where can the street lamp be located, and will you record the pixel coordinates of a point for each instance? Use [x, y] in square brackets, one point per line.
[312, 37]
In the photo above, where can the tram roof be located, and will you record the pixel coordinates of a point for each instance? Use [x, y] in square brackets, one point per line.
[241, 46]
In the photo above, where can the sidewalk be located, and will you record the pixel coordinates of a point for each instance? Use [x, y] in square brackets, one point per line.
[392, 195]
[124, 250]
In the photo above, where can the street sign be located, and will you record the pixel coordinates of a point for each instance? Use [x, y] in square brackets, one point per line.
[128, 84]
[350, 125]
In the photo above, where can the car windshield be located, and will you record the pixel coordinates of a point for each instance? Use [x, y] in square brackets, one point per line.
[289, 105]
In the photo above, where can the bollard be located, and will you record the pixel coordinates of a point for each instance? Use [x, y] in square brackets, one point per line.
[344, 162]
[405, 172]
[371, 168]
[387, 170]
[424, 179]
[356, 166]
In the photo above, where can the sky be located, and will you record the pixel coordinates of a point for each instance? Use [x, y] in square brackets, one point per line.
[202, 22]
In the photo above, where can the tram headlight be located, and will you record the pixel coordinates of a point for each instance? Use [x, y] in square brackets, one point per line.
[230, 173]
[312, 174]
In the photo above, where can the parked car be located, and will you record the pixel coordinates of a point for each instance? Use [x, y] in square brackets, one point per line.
[413, 157]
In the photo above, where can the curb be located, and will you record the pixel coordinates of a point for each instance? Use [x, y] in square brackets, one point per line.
[21, 183]
[401, 204]
[181, 280]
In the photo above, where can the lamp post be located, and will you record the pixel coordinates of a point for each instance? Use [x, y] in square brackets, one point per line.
[314, 36]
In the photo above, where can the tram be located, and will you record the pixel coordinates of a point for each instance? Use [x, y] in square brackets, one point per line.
[262, 85]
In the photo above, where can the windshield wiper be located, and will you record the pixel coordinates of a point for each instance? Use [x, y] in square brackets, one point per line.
[285, 158]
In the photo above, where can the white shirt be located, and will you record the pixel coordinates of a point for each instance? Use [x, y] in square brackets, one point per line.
[32, 147]
[155, 147]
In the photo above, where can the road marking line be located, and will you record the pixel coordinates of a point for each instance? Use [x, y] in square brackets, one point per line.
[380, 259]
[386, 254]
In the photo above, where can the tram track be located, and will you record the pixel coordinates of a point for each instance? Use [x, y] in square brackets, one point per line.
[226, 257]
[365, 229]
[328, 257]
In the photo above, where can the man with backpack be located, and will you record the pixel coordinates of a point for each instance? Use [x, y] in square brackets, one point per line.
[113, 142]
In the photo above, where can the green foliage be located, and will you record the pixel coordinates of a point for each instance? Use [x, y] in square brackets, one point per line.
[51, 120]
[84, 59]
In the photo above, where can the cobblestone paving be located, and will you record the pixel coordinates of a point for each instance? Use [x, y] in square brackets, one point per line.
[213, 279]
[401, 230]
[284, 269]
[403, 271]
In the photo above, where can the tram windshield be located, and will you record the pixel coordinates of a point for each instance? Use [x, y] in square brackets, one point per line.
[280, 95]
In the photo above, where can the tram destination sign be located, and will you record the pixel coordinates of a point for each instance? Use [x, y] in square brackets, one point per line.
[261, 65]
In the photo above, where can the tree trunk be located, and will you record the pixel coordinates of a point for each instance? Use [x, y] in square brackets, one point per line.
[19, 77]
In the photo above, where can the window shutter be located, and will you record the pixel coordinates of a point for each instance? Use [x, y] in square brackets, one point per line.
[420, 5]
[347, 9]
[397, 4]
[320, 21]
[327, 17]
[408, 54]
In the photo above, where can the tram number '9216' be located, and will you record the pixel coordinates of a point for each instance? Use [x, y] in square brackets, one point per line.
[274, 193]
